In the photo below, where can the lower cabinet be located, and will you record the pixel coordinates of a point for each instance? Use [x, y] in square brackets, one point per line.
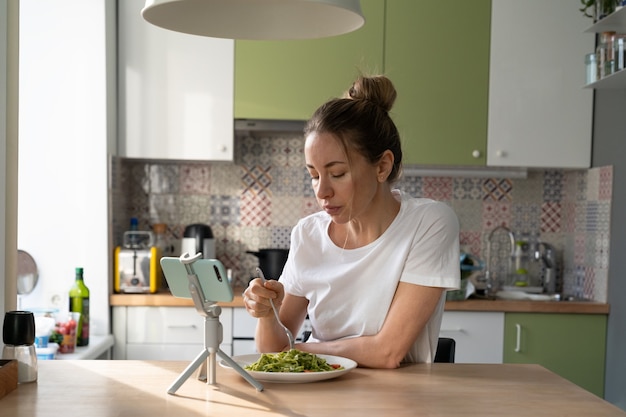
[571, 345]
[478, 335]
[164, 333]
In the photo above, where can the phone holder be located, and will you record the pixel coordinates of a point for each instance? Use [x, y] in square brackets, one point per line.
[203, 276]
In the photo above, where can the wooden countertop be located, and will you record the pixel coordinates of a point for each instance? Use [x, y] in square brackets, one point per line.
[165, 299]
[523, 306]
[139, 389]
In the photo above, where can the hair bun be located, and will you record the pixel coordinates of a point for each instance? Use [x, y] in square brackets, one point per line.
[378, 90]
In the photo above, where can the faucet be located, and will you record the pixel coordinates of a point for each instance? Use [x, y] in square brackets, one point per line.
[545, 253]
[491, 281]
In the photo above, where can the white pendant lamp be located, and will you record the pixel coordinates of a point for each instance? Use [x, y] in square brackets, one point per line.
[256, 19]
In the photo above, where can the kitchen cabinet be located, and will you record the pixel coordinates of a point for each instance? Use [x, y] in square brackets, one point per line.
[175, 91]
[288, 80]
[479, 336]
[164, 333]
[437, 55]
[615, 22]
[539, 114]
[571, 345]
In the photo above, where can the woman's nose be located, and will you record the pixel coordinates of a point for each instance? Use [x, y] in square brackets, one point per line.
[323, 190]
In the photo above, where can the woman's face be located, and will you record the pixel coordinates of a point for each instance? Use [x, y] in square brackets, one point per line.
[343, 188]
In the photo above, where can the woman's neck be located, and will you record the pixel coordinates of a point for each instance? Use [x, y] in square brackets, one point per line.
[367, 227]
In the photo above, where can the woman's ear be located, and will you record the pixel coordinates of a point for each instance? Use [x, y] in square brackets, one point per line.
[385, 165]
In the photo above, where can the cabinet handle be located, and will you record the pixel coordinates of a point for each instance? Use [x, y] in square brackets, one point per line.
[518, 340]
[500, 153]
[457, 330]
[476, 153]
[181, 326]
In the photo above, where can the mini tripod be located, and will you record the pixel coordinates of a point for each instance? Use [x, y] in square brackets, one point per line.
[213, 334]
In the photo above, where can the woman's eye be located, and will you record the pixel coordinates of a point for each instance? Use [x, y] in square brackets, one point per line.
[338, 175]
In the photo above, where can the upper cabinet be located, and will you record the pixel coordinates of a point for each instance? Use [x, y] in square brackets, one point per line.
[175, 91]
[539, 113]
[437, 55]
[288, 80]
[615, 22]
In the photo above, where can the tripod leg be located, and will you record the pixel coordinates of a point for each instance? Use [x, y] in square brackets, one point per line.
[188, 371]
[242, 372]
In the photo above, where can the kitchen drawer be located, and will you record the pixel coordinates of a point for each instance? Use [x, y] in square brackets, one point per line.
[171, 325]
[479, 336]
[170, 352]
[243, 347]
[244, 325]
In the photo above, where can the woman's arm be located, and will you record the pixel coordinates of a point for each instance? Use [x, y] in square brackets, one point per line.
[410, 310]
[270, 336]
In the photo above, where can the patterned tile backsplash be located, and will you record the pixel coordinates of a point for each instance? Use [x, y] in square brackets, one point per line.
[254, 202]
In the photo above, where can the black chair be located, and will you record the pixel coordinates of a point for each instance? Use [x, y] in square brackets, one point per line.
[445, 350]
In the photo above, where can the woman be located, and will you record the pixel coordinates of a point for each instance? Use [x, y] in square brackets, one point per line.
[372, 267]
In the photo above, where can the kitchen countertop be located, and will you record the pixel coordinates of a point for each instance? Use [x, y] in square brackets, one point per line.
[165, 299]
[139, 388]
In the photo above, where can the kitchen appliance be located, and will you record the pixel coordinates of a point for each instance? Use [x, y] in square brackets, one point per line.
[271, 261]
[198, 238]
[137, 268]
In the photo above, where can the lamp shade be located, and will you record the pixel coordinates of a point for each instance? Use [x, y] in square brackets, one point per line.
[256, 19]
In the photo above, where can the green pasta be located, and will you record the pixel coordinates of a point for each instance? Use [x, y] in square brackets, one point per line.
[291, 361]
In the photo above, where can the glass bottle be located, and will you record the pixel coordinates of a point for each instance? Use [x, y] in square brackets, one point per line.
[604, 55]
[79, 303]
[521, 259]
[163, 245]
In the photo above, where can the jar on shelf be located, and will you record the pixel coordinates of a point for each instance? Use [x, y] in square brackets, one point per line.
[604, 55]
[591, 68]
[619, 54]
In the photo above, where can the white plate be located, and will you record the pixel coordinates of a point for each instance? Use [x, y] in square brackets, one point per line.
[293, 377]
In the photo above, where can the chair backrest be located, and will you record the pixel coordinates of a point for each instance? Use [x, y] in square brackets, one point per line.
[445, 350]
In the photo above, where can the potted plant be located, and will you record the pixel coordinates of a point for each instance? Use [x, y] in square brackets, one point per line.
[598, 9]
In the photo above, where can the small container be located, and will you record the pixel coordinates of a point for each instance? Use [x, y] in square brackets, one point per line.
[47, 353]
[67, 328]
[591, 68]
[619, 53]
[18, 335]
[604, 55]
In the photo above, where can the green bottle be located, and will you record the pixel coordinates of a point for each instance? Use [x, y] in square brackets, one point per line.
[79, 303]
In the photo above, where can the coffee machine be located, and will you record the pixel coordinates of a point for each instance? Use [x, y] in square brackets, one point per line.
[198, 238]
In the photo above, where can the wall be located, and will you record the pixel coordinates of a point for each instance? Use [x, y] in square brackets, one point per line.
[609, 147]
[64, 129]
[8, 152]
[254, 202]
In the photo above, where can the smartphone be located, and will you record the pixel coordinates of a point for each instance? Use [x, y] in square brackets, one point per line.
[210, 272]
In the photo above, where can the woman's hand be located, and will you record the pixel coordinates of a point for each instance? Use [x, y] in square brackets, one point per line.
[256, 298]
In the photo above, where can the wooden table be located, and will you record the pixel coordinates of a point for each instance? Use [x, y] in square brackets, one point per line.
[98, 388]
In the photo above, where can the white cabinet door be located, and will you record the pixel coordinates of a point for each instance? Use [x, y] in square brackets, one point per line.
[164, 333]
[176, 91]
[539, 113]
[479, 336]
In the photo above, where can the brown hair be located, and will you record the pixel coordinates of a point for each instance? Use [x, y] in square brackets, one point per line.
[361, 120]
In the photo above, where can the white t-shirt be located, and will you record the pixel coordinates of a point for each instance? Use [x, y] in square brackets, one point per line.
[350, 290]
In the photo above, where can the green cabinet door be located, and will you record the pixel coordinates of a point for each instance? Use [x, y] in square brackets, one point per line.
[571, 345]
[437, 55]
[288, 80]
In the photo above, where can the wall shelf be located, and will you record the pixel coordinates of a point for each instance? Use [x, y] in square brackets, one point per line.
[615, 22]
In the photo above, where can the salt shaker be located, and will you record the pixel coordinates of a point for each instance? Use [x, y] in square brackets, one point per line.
[18, 335]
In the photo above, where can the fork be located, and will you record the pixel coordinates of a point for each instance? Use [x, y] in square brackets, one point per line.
[287, 331]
